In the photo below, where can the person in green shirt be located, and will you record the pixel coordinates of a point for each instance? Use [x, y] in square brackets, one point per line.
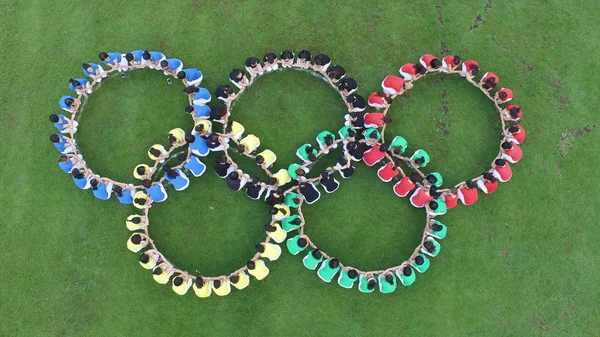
[292, 199]
[372, 136]
[407, 276]
[436, 207]
[325, 140]
[347, 278]
[296, 244]
[328, 270]
[437, 229]
[366, 284]
[291, 223]
[307, 153]
[420, 158]
[387, 283]
[347, 134]
[430, 247]
[398, 143]
[435, 179]
[295, 170]
[312, 259]
[421, 263]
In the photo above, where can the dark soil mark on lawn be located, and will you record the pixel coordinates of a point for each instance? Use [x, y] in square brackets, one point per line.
[479, 19]
[440, 18]
[565, 143]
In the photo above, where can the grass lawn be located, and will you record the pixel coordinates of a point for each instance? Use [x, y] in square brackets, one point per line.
[524, 261]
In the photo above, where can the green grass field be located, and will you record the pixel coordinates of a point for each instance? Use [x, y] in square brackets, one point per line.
[522, 262]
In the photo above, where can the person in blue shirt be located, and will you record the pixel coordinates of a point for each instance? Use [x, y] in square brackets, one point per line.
[69, 104]
[193, 164]
[197, 96]
[81, 179]
[136, 58]
[197, 145]
[94, 71]
[198, 111]
[63, 144]
[102, 188]
[190, 77]
[171, 66]
[63, 124]
[179, 180]
[155, 190]
[114, 61]
[153, 58]
[68, 162]
[124, 193]
[80, 85]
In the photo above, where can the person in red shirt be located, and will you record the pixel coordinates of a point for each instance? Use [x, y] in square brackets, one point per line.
[422, 196]
[390, 170]
[512, 113]
[503, 95]
[411, 71]
[393, 85]
[467, 193]
[488, 183]
[501, 170]
[450, 62]
[451, 197]
[516, 134]
[430, 62]
[379, 100]
[511, 152]
[489, 81]
[376, 119]
[374, 155]
[407, 184]
[470, 69]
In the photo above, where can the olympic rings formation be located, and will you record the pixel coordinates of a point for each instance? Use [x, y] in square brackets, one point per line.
[372, 149]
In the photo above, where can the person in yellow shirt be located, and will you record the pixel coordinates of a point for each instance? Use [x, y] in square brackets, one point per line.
[140, 200]
[279, 211]
[181, 283]
[275, 232]
[137, 241]
[163, 272]
[282, 176]
[202, 289]
[234, 130]
[268, 250]
[258, 269]
[202, 127]
[142, 172]
[266, 158]
[150, 258]
[249, 144]
[221, 286]
[177, 136]
[240, 280]
[158, 153]
[136, 222]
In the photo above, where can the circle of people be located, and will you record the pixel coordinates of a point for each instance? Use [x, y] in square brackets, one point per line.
[201, 140]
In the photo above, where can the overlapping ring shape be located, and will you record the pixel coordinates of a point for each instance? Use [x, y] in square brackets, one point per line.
[369, 147]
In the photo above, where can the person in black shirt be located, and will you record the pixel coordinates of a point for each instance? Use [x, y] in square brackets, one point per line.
[356, 150]
[347, 86]
[322, 62]
[304, 58]
[218, 114]
[310, 192]
[355, 119]
[253, 66]
[222, 166]
[355, 103]
[254, 189]
[239, 79]
[287, 58]
[346, 170]
[270, 62]
[225, 93]
[335, 73]
[236, 180]
[274, 196]
[214, 143]
[328, 182]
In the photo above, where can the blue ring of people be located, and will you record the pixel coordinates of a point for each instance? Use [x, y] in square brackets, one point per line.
[360, 139]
